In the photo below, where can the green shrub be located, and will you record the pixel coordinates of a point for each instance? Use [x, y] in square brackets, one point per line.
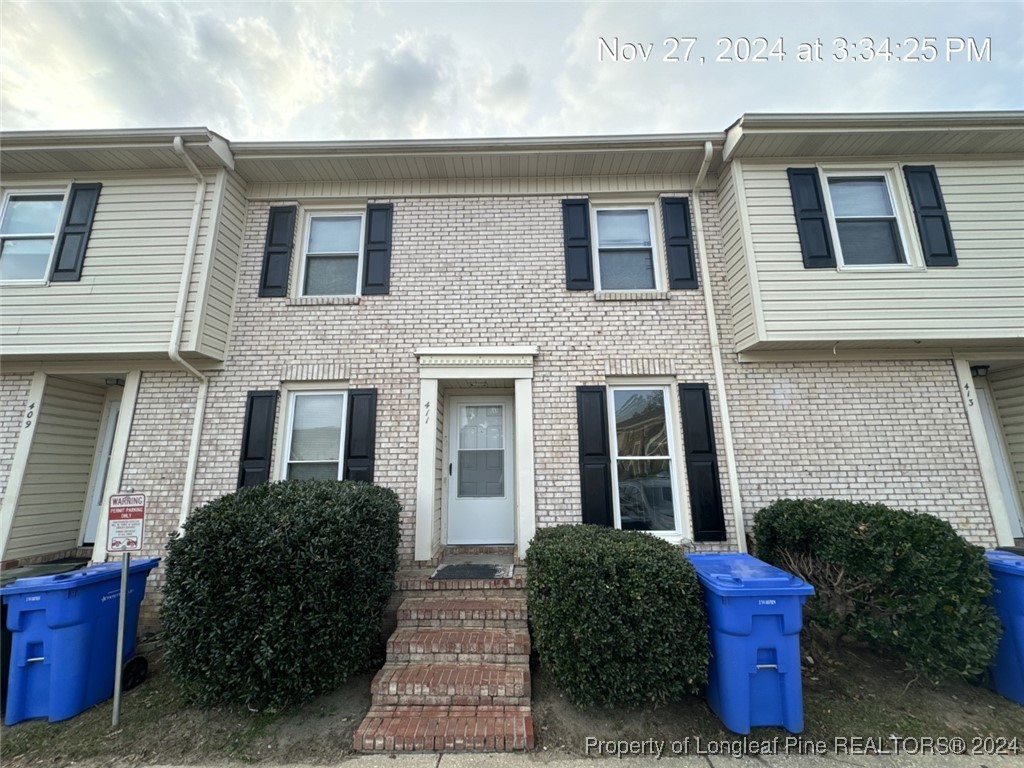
[617, 616]
[898, 580]
[276, 593]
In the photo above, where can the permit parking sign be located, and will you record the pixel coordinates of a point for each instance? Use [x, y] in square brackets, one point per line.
[126, 522]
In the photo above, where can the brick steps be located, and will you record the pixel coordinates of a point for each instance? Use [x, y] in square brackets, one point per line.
[437, 729]
[452, 684]
[483, 612]
[457, 645]
[457, 676]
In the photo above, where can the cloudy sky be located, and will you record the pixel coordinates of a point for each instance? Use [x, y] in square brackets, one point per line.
[358, 70]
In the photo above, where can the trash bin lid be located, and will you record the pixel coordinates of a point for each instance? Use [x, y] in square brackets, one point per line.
[40, 569]
[742, 575]
[1005, 562]
[76, 579]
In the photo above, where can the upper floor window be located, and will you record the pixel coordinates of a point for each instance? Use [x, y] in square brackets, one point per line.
[331, 262]
[867, 229]
[28, 227]
[625, 249]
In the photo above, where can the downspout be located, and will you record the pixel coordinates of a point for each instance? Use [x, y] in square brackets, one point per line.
[174, 350]
[716, 357]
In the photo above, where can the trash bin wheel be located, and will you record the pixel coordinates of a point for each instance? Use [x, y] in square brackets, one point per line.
[134, 672]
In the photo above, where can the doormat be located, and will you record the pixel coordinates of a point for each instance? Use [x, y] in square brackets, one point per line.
[472, 571]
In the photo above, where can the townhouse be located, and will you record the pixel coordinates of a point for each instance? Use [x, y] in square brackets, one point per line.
[660, 333]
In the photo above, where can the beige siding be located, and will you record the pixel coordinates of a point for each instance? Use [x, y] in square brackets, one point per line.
[982, 298]
[740, 305]
[125, 301]
[201, 265]
[1008, 392]
[48, 516]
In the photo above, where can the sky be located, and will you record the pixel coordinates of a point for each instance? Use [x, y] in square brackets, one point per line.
[330, 70]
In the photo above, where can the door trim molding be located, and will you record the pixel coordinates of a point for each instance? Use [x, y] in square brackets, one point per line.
[439, 364]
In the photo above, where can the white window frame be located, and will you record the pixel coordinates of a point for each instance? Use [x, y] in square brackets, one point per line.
[675, 456]
[899, 199]
[656, 250]
[292, 392]
[318, 213]
[28, 192]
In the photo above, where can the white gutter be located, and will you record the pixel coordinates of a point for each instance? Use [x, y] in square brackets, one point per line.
[716, 358]
[174, 350]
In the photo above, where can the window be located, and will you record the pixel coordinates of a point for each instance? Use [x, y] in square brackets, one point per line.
[332, 259]
[625, 249]
[28, 227]
[642, 459]
[866, 231]
[315, 436]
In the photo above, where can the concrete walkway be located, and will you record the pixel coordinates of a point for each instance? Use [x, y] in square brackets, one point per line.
[924, 758]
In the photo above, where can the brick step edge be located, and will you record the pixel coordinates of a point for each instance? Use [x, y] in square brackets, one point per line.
[445, 729]
[474, 645]
[468, 612]
[452, 684]
[448, 586]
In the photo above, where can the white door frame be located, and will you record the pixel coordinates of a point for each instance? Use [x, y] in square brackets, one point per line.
[480, 520]
[102, 459]
[1001, 457]
[450, 364]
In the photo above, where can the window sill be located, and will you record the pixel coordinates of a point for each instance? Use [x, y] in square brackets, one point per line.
[631, 295]
[319, 300]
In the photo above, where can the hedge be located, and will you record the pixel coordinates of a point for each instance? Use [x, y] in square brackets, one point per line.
[276, 593]
[617, 616]
[898, 580]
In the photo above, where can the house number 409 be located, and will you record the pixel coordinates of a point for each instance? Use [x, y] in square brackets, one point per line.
[30, 414]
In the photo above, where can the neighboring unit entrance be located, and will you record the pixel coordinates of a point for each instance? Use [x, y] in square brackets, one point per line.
[481, 482]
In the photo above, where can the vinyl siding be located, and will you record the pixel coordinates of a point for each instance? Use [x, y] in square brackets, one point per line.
[220, 271]
[125, 302]
[48, 515]
[1008, 392]
[982, 298]
[740, 304]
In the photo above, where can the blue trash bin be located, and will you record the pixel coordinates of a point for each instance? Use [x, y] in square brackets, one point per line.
[64, 638]
[755, 612]
[1007, 570]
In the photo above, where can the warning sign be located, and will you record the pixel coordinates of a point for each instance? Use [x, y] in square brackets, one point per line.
[126, 522]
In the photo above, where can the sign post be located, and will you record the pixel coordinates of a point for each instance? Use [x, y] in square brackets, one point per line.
[126, 524]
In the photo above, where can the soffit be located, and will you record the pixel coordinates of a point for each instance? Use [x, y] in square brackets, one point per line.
[442, 161]
[825, 136]
[71, 152]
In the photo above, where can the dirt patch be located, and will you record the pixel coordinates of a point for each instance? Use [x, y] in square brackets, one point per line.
[849, 692]
[156, 727]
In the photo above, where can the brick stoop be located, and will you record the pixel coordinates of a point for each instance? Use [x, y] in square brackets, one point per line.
[457, 676]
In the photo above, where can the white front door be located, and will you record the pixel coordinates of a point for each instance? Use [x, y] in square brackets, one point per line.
[481, 485]
[100, 468]
[1001, 457]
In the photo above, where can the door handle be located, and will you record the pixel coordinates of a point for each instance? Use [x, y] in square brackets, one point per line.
[449, 469]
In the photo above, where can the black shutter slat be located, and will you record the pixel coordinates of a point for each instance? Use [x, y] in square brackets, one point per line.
[277, 252]
[702, 463]
[377, 256]
[682, 266]
[579, 269]
[257, 438]
[360, 436]
[595, 456]
[74, 232]
[811, 218]
[930, 213]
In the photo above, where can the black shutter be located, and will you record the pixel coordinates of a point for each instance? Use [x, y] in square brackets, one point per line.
[74, 233]
[277, 252]
[702, 463]
[377, 259]
[579, 268]
[360, 435]
[682, 267]
[257, 438]
[930, 212]
[811, 218]
[595, 457]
